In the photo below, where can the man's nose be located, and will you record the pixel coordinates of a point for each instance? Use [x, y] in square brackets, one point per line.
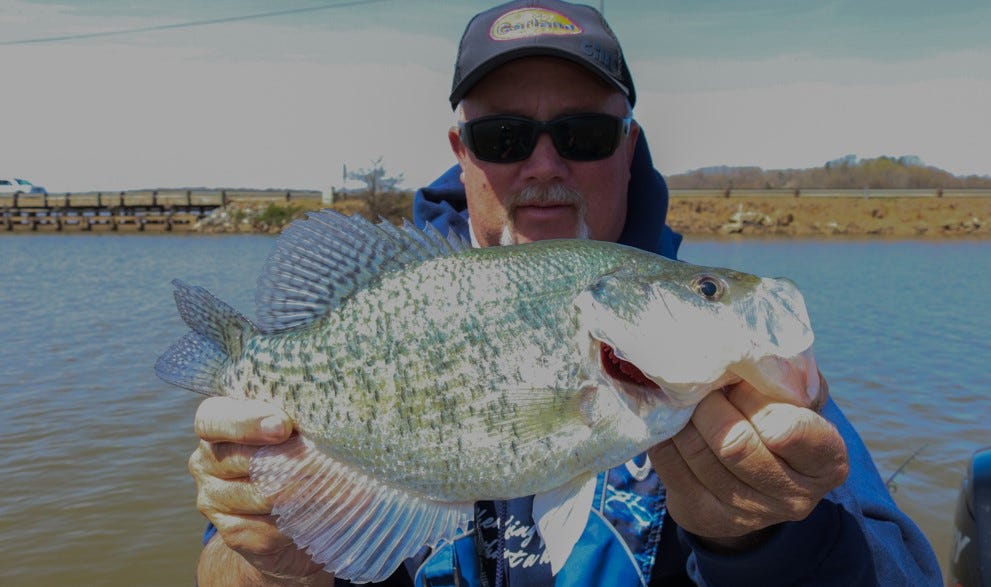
[545, 163]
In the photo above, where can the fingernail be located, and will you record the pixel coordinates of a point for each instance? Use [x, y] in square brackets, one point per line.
[272, 426]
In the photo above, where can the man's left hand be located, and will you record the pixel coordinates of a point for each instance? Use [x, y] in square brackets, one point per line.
[745, 463]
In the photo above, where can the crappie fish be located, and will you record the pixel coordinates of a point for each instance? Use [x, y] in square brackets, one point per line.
[424, 375]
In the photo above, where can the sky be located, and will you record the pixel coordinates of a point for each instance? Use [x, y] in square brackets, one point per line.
[197, 96]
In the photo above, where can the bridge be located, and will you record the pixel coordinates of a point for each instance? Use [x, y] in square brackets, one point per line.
[135, 209]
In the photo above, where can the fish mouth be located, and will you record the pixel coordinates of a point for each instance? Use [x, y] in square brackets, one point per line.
[629, 378]
[623, 370]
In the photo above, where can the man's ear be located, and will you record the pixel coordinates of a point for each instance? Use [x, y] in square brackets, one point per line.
[457, 147]
[631, 144]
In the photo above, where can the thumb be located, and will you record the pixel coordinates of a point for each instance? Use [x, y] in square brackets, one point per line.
[224, 419]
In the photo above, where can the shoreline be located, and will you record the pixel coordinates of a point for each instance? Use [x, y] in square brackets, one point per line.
[694, 216]
[834, 217]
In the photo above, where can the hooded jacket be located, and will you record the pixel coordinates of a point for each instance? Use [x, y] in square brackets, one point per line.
[855, 536]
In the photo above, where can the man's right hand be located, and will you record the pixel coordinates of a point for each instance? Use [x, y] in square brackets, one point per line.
[248, 548]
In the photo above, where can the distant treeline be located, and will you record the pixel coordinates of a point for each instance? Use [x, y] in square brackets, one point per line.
[845, 173]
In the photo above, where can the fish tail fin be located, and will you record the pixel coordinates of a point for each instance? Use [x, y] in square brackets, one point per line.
[218, 333]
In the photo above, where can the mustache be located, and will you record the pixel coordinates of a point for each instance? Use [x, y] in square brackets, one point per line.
[548, 195]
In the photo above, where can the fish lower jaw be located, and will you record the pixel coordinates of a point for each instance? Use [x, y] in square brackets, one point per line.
[649, 391]
[687, 396]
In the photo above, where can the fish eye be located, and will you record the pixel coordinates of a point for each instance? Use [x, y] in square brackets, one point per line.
[709, 287]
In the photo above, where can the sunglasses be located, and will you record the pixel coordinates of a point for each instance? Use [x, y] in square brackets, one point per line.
[578, 137]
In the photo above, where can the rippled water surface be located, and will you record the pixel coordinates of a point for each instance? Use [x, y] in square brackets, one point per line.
[903, 335]
[93, 447]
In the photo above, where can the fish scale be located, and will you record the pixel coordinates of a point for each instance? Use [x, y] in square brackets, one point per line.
[424, 375]
[443, 336]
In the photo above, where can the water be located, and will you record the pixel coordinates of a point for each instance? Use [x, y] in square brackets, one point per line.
[903, 336]
[93, 447]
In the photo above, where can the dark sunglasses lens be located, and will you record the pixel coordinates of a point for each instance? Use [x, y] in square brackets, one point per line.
[501, 140]
[581, 137]
[586, 137]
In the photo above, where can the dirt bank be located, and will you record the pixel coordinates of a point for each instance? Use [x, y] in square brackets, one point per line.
[909, 217]
[707, 216]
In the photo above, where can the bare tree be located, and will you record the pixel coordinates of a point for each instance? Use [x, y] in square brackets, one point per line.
[381, 192]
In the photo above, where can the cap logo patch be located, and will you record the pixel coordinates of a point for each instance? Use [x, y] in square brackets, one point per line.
[531, 22]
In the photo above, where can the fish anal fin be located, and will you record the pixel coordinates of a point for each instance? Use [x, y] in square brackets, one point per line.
[561, 515]
[193, 363]
[358, 527]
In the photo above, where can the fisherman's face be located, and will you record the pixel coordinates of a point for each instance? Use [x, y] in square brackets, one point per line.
[546, 195]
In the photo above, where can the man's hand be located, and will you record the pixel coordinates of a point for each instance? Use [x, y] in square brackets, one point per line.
[746, 462]
[231, 431]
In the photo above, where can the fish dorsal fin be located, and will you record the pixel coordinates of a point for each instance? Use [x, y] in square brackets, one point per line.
[561, 515]
[320, 261]
[358, 527]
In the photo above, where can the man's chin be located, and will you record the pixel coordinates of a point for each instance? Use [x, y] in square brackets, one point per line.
[520, 233]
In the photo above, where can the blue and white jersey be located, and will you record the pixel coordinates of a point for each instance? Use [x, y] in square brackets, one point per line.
[618, 546]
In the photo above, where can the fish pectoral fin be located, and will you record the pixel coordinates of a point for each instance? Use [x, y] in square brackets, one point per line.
[358, 527]
[525, 415]
[561, 515]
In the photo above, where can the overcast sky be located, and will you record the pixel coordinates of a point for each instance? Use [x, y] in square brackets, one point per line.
[287, 100]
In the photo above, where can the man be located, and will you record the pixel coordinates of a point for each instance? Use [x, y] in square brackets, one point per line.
[751, 492]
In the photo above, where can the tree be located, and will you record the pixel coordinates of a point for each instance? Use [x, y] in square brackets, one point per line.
[885, 172]
[381, 192]
[375, 178]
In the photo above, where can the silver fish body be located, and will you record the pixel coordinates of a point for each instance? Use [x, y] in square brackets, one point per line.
[424, 375]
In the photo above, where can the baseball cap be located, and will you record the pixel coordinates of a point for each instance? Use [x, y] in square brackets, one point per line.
[528, 28]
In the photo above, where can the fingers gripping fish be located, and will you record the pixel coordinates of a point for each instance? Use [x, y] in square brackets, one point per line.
[424, 375]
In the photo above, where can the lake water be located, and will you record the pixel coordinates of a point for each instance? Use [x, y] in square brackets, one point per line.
[93, 447]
